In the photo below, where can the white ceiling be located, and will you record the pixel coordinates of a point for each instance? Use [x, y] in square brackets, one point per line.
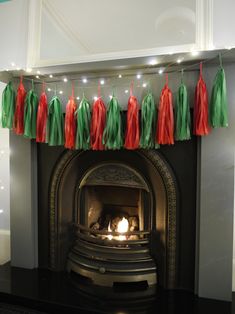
[89, 27]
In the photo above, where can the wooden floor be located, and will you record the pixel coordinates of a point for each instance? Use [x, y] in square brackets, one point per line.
[50, 292]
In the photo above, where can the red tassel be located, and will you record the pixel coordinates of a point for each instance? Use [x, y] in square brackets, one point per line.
[201, 115]
[98, 120]
[132, 137]
[42, 117]
[70, 123]
[165, 125]
[19, 111]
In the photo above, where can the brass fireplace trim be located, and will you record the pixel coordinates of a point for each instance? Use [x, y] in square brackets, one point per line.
[170, 186]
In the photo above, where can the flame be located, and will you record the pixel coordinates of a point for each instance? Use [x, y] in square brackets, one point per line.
[109, 229]
[122, 227]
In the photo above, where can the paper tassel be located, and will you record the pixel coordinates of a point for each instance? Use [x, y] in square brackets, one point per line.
[83, 114]
[218, 103]
[30, 114]
[182, 115]
[201, 123]
[112, 137]
[70, 123]
[8, 106]
[148, 122]
[132, 137]
[165, 124]
[98, 124]
[42, 118]
[18, 125]
[55, 123]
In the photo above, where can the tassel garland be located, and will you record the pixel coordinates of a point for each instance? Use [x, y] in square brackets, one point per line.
[201, 117]
[30, 114]
[8, 106]
[148, 122]
[55, 123]
[182, 115]
[42, 118]
[132, 137]
[165, 126]
[83, 114]
[218, 103]
[112, 137]
[70, 123]
[18, 124]
[98, 124]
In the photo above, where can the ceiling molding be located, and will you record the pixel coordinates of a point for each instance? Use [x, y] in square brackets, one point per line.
[63, 25]
[204, 24]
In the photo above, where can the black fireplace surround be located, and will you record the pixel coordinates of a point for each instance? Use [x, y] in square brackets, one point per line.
[162, 189]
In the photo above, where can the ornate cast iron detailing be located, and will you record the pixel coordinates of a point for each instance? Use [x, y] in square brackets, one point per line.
[169, 182]
[170, 186]
[115, 175]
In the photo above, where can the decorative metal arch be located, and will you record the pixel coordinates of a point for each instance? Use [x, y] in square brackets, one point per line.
[171, 194]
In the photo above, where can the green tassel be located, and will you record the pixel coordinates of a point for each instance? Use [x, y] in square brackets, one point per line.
[218, 103]
[83, 114]
[182, 115]
[8, 106]
[55, 123]
[112, 137]
[30, 114]
[148, 122]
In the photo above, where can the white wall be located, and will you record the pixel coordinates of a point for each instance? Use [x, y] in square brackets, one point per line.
[13, 33]
[4, 192]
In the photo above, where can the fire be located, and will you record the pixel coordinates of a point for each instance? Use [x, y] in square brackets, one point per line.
[122, 227]
[109, 236]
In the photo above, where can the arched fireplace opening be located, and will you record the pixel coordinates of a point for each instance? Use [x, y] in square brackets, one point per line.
[113, 217]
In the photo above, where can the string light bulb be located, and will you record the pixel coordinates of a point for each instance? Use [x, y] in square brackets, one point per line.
[84, 80]
[61, 92]
[65, 79]
[95, 98]
[28, 70]
[110, 97]
[153, 62]
[77, 97]
[2, 187]
[179, 60]
[102, 82]
[119, 76]
[126, 91]
[37, 77]
[138, 76]
[50, 76]
[1, 211]
[160, 71]
[13, 64]
[144, 85]
[49, 89]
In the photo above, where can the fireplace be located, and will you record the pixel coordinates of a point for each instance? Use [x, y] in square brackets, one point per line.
[88, 192]
[114, 222]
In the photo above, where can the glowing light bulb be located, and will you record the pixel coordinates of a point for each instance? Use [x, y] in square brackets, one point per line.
[49, 89]
[13, 64]
[38, 72]
[95, 98]
[37, 77]
[1, 211]
[153, 62]
[126, 91]
[179, 60]
[65, 79]
[50, 76]
[77, 97]
[110, 97]
[102, 82]
[18, 68]
[160, 71]
[28, 70]
[2, 187]
[138, 76]
[144, 85]
[61, 92]
[119, 76]
[84, 80]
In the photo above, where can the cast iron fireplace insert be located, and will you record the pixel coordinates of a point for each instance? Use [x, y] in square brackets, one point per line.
[113, 229]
